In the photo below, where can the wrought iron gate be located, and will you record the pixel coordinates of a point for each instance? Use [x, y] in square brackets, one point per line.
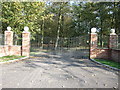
[75, 47]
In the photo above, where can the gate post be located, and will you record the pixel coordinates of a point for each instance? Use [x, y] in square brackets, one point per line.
[9, 37]
[93, 43]
[26, 42]
[112, 39]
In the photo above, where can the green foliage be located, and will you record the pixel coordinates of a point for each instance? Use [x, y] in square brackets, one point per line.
[20, 14]
[73, 20]
[109, 62]
[7, 58]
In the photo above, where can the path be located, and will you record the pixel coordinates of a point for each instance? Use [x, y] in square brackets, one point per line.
[53, 71]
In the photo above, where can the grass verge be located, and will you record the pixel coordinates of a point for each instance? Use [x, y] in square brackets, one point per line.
[109, 62]
[7, 58]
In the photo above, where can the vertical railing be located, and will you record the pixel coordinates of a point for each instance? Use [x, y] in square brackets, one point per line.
[17, 39]
[118, 42]
[1, 39]
[103, 42]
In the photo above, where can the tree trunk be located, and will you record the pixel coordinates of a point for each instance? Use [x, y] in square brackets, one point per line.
[101, 35]
[59, 27]
[42, 38]
[118, 20]
[62, 26]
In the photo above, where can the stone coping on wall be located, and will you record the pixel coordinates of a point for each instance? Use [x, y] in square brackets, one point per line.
[115, 49]
[9, 45]
[102, 48]
[109, 49]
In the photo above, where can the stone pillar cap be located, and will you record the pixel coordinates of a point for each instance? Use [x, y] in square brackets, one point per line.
[93, 30]
[26, 29]
[112, 32]
[8, 28]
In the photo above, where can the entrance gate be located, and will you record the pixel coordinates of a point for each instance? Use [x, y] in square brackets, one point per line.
[75, 47]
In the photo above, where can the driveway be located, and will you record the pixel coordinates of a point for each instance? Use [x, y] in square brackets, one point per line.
[45, 70]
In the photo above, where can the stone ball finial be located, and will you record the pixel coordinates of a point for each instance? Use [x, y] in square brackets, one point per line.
[113, 31]
[9, 28]
[26, 29]
[93, 30]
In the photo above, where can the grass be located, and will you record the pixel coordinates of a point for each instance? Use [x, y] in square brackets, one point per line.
[109, 62]
[7, 58]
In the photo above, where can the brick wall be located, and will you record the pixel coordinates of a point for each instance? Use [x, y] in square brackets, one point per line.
[4, 51]
[15, 50]
[115, 55]
[24, 49]
[109, 54]
[101, 53]
[10, 50]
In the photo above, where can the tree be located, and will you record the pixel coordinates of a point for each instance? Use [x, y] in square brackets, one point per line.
[60, 19]
[60, 10]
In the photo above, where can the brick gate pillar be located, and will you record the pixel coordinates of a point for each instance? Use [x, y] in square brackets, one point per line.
[9, 37]
[113, 39]
[26, 42]
[93, 43]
